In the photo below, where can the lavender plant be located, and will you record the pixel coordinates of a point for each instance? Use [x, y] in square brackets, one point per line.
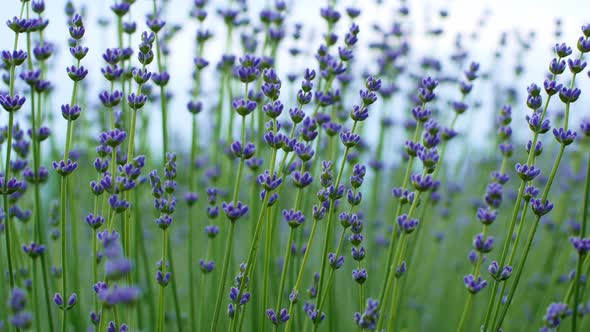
[312, 116]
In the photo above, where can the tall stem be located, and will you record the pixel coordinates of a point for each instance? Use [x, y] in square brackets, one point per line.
[516, 209]
[7, 165]
[530, 239]
[228, 249]
[580, 257]
[161, 317]
[390, 255]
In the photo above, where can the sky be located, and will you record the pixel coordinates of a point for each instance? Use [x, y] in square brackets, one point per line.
[512, 16]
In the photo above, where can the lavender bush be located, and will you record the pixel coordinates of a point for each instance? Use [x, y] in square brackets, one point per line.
[324, 174]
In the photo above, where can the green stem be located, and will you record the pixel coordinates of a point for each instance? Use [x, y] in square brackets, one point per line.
[405, 181]
[330, 215]
[396, 286]
[545, 194]
[579, 265]
[301, 271]
[468, 302]
[331, 275]
[202, 288]
[149, 291]
[176, 302]
[267, 267]
[285, 269]
[530, 161]
[228, 249]
[161, 317]
[7, 167]
[46, 288]
[34, 298]
[63, 246]
[465, 312]
[531, 236]
[396, 262]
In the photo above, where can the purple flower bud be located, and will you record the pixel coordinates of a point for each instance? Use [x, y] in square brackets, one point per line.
[269, 182]
[486, 215]
[401, 270]
[10, 103]
[526, 172]
[206, 267]
[582, 246]
[474, 286]
[72, 300]
[335, 262]
[358, 254]
[136, 102]
[562, 50]
[407, 225]
[349, 139]
[557, 67]
[94, 221]
[555, 313]
[58, 300]
[577, 65]
[568, 95]
[359, 275]
[540, 207]
[65, 168]
[538, 147]
[482, 244]
[564, 137]
[118, 205]
[421, 183]
[293, 218]
[234, 212]
[585, 127]
[34, 250]
[163, 279]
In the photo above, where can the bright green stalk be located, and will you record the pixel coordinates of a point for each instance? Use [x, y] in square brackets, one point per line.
[329, 224]
[62, 204]
[529, 242]
[164, 109]
[228, 248]
[267, 271]
[161, 303]
[63, 246]
[191, 232]
[476, 270]
[301, 271]
[288, 252]
[7, 165]
[512, 224]
[202, 287]
[149, 291]
[389, 267]
[532, 232]
[39, 233]
[256, 237]
[331, 275]
[230, 240]
[191, 186]
[399, 257]
[582, 234]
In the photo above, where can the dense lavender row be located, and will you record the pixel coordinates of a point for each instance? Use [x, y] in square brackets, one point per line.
[338, 196]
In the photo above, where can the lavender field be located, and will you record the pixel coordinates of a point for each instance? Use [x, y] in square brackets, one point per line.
[270, 165]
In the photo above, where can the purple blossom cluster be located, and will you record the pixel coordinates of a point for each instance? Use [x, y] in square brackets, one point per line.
[293, 138]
